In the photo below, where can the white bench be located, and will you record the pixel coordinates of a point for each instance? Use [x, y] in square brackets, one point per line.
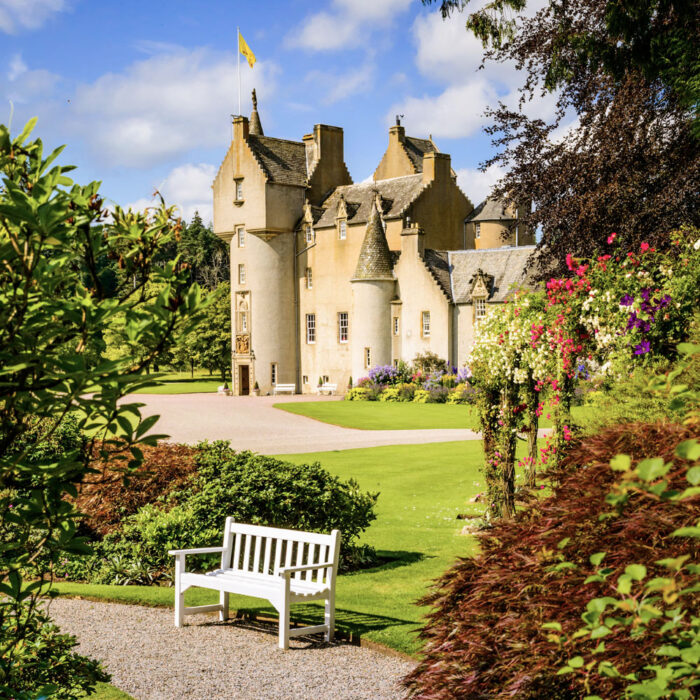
[282, 566]
[330, 388]
[284, 389]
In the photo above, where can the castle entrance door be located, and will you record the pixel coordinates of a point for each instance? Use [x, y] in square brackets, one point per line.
[244, 377]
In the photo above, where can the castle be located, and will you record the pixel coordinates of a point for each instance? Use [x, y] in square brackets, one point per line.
[330, 278]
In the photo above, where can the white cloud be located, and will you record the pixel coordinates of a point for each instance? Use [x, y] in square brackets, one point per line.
[348, 24]
[25, 85]
[337, 86]
[165, 106]
[449, 55]
[188, 187]
[27, 14]
[477, 185]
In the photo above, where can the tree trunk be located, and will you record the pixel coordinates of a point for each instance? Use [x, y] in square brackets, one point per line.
[191, 369]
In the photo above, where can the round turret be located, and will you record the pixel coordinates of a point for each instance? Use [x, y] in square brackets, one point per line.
[373, 288]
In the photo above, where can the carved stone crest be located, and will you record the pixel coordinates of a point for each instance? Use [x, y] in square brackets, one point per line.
[242, 344]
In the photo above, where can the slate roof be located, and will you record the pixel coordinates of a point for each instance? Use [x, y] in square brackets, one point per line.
[416, 148]
[283, 162]
[508, 266]
[490, 210]
[438, 264]
[375, 259]
[398, 194]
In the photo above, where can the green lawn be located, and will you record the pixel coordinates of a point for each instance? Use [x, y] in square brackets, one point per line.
[422, 489]
[380, 415]
[183, 383]
[105, 691]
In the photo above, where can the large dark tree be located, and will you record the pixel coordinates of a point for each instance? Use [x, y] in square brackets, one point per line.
[205, 254]
[629, 73]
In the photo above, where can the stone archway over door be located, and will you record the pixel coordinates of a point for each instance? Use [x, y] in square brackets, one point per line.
[244, 379]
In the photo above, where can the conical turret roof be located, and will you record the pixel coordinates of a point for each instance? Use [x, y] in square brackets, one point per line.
[374, 261]
[255, 126]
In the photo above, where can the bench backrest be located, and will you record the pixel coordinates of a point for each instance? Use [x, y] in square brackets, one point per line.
[265, 550]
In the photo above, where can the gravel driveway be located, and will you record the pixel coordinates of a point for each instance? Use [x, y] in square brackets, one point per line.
[151, 659]
[251, 423]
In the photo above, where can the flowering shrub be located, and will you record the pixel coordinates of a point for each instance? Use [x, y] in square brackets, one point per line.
[421, 396]
[384, 374]
[612, 314]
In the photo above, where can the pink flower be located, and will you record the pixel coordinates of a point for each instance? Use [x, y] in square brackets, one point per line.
[611, 238]
[644, 247]
[570, 261]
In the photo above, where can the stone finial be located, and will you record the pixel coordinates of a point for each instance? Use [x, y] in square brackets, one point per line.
[255, 123]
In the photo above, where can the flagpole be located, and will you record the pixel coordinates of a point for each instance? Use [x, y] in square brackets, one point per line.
[238, 51]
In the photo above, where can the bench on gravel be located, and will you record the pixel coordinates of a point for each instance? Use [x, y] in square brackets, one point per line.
[282, 566]
[284, 389]
[330, 388]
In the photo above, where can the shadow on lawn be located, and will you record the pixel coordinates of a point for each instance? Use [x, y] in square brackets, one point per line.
[389, 559]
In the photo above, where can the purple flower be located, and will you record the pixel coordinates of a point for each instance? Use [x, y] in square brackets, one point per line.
[646, 293]
[627, 300]
[642, 348]
[665, 301]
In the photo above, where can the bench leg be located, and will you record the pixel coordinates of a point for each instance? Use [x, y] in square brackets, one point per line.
[223, 601]
[329, 619]
[284, 620]
[179, 593]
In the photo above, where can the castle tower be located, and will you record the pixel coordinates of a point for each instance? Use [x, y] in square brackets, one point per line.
[258, 198]
[373, 288]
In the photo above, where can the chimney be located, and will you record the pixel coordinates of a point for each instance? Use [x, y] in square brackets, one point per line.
[412, 240]
[310, 146]
[436, 167]
[397, 134]
[240, 128]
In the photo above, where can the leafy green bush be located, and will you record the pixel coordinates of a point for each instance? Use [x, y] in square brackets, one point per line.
[362, 393]
[391, 394]
[462, 393]
[44, 665]
[46, 438]
[250, 488]
[421, 396]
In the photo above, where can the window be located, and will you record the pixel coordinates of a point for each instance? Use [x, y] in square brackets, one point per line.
[425, 324]
[342, 229]
[343, 327]
[396, 325]
[308, 234]
[241, 237]
[305, 379]
[243, 321]
[241, 274]
[326, 379]
[273, 373]
[368, 358]
[477, 229]
[396, 362]
[480, 308]
[309, 279]
[310, 328]
[239, 190]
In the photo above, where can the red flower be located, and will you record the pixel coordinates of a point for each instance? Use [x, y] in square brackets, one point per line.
[644, 247]
[611, 238]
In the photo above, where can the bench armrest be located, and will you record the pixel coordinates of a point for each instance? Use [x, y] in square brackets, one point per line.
[200, 550]
[306, 567]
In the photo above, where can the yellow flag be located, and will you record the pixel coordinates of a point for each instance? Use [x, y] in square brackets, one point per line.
[245, 50]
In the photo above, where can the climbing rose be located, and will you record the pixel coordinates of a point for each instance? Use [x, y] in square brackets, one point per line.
[611, 238]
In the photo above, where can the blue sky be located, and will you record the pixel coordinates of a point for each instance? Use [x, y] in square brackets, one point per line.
[142, 92]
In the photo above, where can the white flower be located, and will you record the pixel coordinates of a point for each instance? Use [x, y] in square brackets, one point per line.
[696, 245]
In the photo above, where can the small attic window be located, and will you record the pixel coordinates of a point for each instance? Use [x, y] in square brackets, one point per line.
[342, 229]
[308, 234]
[479, 308]
[477, 230]
[238, 184]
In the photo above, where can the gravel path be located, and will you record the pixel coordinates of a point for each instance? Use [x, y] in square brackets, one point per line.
[251, 423]
[151, 659]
